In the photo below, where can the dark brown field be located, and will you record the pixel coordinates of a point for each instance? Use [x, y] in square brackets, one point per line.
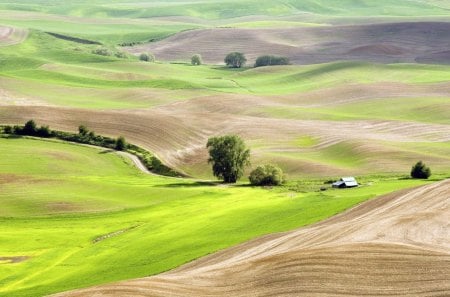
[410, 42]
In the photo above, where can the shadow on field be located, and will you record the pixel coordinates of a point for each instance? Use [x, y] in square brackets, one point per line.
[106, 151]
[192, 184]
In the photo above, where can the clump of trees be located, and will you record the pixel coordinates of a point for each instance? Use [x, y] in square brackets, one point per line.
[196, 60]
[229, 156]
[271, 60]
[235, 60]
[102, 51]
[420, 170]
[147, 57]
[267, 175]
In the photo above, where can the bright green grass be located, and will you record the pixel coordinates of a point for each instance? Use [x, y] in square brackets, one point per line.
[57, 198]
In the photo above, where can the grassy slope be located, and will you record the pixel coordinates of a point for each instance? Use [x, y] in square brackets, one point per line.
[105, 194]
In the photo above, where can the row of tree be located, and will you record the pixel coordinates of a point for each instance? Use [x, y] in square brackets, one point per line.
[84, 135]
[233, 60]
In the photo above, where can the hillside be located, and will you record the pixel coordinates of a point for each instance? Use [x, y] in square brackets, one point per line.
[394, 245]
[382, 43]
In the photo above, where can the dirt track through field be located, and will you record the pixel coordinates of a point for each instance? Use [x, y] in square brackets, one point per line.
[396, 245]
[384, 43]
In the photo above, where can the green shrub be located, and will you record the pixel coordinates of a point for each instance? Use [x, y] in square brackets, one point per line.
[44, 131]
[420, 170]
[271, 60]
[147, 57]
[102, 51]
[196, 60]
[121, 55]
[30, 128]
[8, 130]
[266, 175]
[121, 144]
[235, 60]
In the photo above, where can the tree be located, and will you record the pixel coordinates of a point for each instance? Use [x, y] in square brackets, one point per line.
[266, 175]
[196, 60]
[420, 170]
[121, 144]
[147, 57]
[229, 156]
[29, 128]
[271, 60]
[235, 60]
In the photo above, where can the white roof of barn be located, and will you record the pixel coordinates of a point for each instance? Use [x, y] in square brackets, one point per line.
[348, 179]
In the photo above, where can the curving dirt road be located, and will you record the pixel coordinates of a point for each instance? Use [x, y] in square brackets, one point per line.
[396, 245]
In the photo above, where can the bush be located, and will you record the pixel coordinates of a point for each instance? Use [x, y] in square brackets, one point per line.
[121, 144]
[83, 130]
[121, 55]
[147, 57]
[271, 60]
[420, 170]
[266, 175]
[8, 130]
[235, 60]
[44, 131]
[102, 51]
[29, 128]
[196, 60]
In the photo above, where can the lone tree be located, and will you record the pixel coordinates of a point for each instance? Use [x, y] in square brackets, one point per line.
[121, 144]
[266, 175]
[228, 155]
[420, 170]
[235, 60]
[196, 60]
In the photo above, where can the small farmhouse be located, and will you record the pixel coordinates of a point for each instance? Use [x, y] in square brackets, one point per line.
[346, 182]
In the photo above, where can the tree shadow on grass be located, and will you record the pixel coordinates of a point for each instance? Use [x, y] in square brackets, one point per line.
[107, 151]
[188, 184]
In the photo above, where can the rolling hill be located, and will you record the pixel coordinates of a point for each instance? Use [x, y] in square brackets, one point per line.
[394, 245]
[382, 43]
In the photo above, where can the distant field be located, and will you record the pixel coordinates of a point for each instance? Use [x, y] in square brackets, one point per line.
[76, 210]
[172, 109]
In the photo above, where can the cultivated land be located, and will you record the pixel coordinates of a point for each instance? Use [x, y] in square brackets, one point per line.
[388, 246]
[368, 94]
[93, 211]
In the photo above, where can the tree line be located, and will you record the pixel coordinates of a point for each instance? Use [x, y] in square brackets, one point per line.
[86, 136]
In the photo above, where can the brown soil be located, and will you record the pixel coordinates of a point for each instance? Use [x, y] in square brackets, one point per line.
[395, 245]
[384, 43]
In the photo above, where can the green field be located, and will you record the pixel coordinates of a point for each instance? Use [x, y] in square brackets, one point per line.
[73, 216]
[58, 198]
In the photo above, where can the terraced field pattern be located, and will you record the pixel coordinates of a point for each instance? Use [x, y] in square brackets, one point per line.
[367, 94]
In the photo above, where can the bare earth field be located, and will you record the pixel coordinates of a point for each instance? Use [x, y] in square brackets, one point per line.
[426, 42]
[394, 245]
